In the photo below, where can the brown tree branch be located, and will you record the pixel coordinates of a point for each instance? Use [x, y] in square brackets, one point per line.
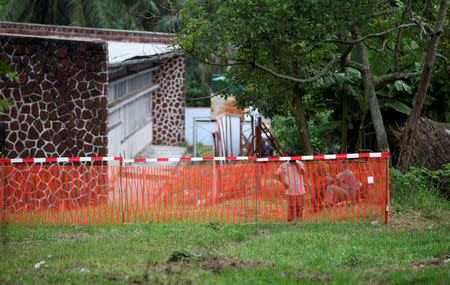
[399, 43]
[375, 35]
[423, 26]
[394, 76]
[356, 65]
[378, 50]
[384, 78]
[316, 77]
[298, 80]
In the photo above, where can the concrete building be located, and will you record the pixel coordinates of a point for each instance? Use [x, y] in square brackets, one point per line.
[90, 92]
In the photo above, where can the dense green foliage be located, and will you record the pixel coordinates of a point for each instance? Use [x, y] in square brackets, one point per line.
[272, 46]
[271, 32]
[3, 3]
[197, 86]
[197, 94]
[421, 190]
[6, 73]
[286, 133]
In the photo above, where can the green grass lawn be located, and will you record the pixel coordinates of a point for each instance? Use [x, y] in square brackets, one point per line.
[412, 249]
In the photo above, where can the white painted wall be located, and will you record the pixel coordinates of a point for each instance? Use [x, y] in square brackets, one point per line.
[204, 129]
[230, 133]
[131, 145]
[138, 141]
[130, 126]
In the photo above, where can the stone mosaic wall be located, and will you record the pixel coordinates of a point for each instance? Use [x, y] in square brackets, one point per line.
[60, 99]
[169, 102]
[59, 110]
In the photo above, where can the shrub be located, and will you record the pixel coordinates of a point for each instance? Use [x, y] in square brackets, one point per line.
[184, 254]
[420, 189]
[198, 96]
[285, 131]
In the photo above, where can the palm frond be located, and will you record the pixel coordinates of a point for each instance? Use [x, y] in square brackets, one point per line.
[76, 13]
[30, 14]
[95, 14]
[111, 19]
[15, 10]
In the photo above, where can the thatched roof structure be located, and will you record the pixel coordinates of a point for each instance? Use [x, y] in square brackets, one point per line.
[431, 144]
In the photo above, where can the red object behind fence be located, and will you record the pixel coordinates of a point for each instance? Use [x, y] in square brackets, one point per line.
[336, 190]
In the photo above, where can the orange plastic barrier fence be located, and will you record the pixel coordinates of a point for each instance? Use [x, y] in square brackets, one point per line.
[238, 192]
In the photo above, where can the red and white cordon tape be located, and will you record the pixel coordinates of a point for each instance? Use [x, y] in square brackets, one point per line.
[178, 159]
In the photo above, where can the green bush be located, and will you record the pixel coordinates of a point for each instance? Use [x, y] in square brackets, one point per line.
[198, 96]
[183, 255]
[285, 131]
[420, 189]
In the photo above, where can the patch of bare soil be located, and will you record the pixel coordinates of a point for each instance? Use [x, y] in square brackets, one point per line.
[435, 262]
[312, 277]
[423, 264]
[169, 272]
[215, 263]
[416, 265]
[411, 220]
[218, 263]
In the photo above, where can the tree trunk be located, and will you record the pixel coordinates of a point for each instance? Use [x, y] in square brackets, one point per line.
[372, 101]
[399, 41]
[345, 95]
[300, 120]
[408, 133]
[360, 142]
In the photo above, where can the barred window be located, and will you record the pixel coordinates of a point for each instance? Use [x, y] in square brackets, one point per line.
[127, 85]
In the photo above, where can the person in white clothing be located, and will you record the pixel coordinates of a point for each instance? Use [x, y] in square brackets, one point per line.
[292, 176]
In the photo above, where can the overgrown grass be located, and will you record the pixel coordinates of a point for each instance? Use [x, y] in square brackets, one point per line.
[141, 253]
[420, 190]
[413, 248]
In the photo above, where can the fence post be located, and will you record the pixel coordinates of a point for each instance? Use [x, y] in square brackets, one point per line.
[387, 206]
[252, 136]
[257, 154]
[214, 144]
[258, 137]
[2, 193]
[194, 136]
[121, 188]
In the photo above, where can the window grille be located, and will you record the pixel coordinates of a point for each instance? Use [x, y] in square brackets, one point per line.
[127, 85]
[137, 113]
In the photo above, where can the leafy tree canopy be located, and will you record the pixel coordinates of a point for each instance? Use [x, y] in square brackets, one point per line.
[280, 51]
[6, 73]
